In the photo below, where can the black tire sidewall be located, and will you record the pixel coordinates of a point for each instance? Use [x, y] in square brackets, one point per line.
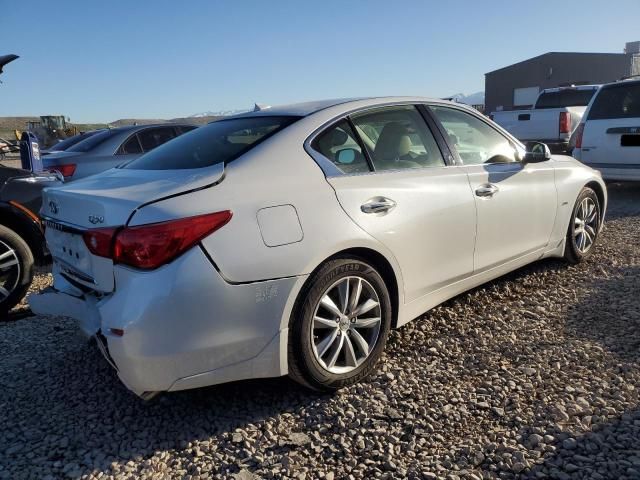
[314, 375]
[572, 253]
[25, 257]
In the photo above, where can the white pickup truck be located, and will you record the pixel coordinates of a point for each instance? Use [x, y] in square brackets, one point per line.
[553, 118]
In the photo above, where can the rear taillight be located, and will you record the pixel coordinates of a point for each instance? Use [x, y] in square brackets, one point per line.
[66, 170]
[153, 245]
[579, 133]
[100, 240]
[565, 122]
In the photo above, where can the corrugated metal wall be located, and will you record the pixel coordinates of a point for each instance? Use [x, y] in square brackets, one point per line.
[635, 65]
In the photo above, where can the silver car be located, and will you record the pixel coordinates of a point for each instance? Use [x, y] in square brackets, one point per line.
[291, 240]
[109, 148]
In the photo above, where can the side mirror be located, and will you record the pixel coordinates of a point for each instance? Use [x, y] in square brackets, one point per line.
[537, 152]
[346, 156]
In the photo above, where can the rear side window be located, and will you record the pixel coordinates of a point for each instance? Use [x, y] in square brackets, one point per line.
[338, 143]
[131, 146]
[398, 138]
[565, 98]
[217, 142]
[619, 101]
[154, 137]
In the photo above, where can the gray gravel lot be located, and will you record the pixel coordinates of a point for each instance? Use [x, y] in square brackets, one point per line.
[535, 375]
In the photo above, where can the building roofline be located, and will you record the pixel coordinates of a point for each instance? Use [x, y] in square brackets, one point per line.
[556, 53]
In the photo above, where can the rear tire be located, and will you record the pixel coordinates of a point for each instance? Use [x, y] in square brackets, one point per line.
[16, 269]
[339, 327]
[584, 227]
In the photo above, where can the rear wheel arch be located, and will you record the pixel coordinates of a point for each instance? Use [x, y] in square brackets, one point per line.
[309, 331]
[26, 228]
[381, 264]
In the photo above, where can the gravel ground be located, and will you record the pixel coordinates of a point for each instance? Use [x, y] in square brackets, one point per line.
[535, 375]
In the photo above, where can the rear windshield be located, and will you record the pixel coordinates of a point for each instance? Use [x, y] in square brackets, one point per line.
[565, 98]
[619, 101]
[217, 142]
[93, 141]
[71, 141]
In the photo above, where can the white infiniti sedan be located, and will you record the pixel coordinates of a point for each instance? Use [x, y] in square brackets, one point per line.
[291, 240]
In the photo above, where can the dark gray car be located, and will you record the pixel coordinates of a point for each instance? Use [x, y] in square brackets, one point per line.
[110, 148]
[22, 242]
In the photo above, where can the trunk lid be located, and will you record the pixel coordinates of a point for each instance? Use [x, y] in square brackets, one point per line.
[107, 200]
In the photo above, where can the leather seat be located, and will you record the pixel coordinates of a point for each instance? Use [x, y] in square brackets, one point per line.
[392, 148]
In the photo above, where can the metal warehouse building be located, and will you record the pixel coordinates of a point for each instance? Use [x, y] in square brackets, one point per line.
[518, 85]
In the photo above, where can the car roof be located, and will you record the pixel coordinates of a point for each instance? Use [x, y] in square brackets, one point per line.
[307, 108]
[624, 82]
[575, 87]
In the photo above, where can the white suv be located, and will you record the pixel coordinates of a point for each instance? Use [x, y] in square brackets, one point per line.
[608, 139]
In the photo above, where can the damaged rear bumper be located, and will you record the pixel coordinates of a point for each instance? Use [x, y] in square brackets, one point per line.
[181, 326]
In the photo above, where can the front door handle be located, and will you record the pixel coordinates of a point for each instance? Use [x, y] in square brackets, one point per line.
[378, 205]
[487, 190]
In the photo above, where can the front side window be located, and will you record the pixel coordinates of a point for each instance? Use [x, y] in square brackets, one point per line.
[618, 101]
[398, 138]
[474, 140]
[338, 144]
[218, 142]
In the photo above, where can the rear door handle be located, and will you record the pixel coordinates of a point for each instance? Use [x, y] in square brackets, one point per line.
[487, 190]
[378, 205]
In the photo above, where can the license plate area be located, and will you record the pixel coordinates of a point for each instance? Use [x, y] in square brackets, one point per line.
[69, 249]
[630, 140]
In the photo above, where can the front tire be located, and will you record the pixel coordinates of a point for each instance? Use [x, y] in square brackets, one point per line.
[584, 226]
[340, 325]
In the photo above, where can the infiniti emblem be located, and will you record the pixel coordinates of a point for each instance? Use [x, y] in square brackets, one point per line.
[96, 219]
[53, 206]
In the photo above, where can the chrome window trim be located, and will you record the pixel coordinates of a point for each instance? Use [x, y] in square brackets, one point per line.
[331, 170]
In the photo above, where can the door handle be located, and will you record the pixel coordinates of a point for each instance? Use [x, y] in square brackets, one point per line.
[378, 205]
[487, 190]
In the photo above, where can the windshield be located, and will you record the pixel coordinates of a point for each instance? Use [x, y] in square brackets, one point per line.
[565, 98]
[217, 142]
[617, 101]
[93, 141]
[71, 141]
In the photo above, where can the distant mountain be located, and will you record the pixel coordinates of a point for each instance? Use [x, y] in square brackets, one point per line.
[472, 99]
[199, 119]
[222, 113]
[135, 121]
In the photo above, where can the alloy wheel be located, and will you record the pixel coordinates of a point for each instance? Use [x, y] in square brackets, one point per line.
[9, 270]
[585, 225]
[346, 325]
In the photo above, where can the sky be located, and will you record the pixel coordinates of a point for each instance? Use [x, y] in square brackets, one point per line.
[98, 61]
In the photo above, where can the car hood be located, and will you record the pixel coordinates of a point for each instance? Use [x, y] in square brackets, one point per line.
[110, 198]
